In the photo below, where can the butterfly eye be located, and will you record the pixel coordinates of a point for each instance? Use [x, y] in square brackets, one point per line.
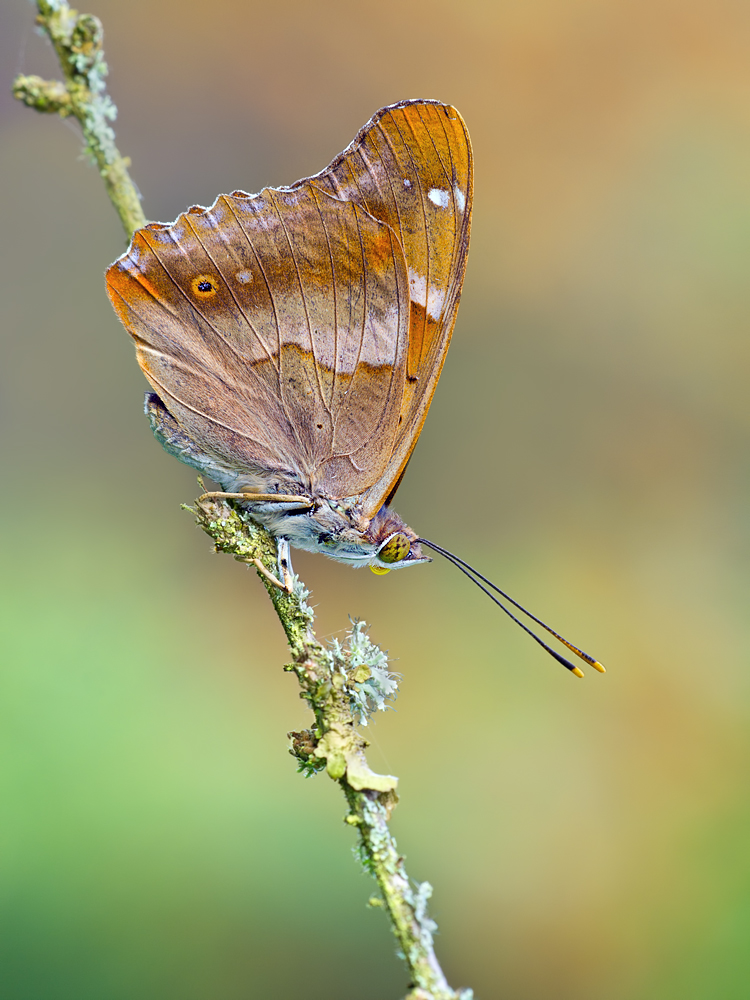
[394, 549]
[203, 286]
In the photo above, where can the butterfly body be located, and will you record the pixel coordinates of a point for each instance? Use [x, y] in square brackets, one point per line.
[337, 528]
[294, 338]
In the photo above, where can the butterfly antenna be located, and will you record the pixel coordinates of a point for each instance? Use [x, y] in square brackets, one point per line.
[475, 576]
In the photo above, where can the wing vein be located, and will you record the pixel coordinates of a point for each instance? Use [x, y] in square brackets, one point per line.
[393, 193]
[334, 376]
[229, 289]
[392, 366]
[426, 227]
[200, 413]
[304, 300]
[450, 179]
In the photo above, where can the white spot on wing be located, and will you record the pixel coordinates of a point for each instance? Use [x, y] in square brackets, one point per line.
[439, 197]
[407, 182]
[244, 277]
[460, 197]
[431, 298]
[417, 288]
[435, 298]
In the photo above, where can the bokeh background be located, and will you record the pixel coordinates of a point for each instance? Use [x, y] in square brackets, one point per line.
[587, 448]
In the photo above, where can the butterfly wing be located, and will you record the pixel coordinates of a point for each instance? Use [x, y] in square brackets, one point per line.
[301, 331]
[275, 329]
[411, 167]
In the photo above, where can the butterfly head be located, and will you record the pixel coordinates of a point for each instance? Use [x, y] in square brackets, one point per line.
[397, 545]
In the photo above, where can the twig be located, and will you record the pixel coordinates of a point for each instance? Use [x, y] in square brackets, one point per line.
[77, 40]
[342, 684]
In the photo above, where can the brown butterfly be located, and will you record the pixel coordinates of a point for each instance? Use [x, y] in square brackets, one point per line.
[294, 338]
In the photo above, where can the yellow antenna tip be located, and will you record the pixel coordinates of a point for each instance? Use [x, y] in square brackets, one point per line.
[598, 666]
[577, 671]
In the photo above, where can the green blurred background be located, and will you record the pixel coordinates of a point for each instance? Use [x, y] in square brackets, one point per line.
[587, 448]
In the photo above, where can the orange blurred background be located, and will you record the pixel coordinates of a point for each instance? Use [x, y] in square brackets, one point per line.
[587, 448]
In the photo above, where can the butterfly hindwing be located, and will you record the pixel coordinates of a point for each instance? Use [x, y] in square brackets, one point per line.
[275, 329]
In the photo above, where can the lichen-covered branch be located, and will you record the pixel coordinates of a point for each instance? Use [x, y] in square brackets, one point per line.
[77, 39]
[343, 683]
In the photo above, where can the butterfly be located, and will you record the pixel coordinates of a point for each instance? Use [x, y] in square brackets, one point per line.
[294, 338]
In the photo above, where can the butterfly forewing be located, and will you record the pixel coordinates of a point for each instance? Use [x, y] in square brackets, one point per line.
[411, 167]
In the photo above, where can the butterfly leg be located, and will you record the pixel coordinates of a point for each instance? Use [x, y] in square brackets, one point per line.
[285, 568]
[286, 498]
[268, 575]
[285, 564]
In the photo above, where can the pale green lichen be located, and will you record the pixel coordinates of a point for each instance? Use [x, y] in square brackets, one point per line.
[300, 594]
[365, 667]
[427, 926]
[304, 745]
[48, 96]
